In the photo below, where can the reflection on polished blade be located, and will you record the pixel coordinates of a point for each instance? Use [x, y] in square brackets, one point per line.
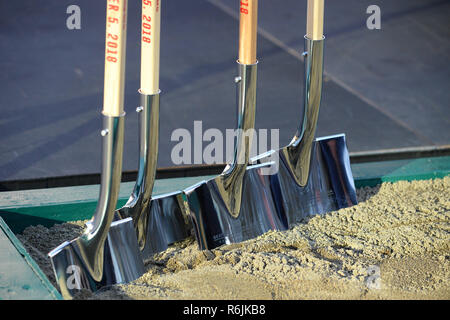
[161, 224]
[122, 261]
[158, 221]
[329, 186]
[313, 176]
[213, 223]
[276, 201]
[238, 204]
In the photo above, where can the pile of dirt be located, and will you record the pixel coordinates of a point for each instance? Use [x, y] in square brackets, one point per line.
[395, 244]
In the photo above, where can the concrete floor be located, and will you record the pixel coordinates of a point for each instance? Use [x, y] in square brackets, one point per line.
[384, 88]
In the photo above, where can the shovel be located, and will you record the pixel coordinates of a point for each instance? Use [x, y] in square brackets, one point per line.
[314, 175]
[107, 252]
[158, 220]
[238, 204]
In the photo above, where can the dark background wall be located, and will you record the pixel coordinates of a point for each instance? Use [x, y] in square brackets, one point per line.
[385, 88]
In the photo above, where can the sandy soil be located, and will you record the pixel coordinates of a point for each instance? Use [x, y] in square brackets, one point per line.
[395, 244]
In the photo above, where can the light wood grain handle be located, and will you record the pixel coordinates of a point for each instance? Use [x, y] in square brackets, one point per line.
[150, 35]
[115, 55]
[248, 26]
[314, 22]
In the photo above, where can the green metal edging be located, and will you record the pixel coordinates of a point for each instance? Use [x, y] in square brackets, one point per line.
[44, 283]
[57, 205]
[371, 174]
[46, 207]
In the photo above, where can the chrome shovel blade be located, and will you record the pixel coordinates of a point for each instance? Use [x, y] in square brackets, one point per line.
[311, 176]
[160, 224]
[274, 201]
[330, 183]
[214, 225]
[107, 252]
[122, 261]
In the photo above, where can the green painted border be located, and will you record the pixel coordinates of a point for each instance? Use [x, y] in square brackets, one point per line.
[46, 207]
[29, 261]
[56, 205]
[373, 173]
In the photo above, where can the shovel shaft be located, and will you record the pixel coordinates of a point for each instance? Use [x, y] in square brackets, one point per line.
[107, 252]
[248, 31]
[100, 256]
[115, 54]
[158, 221]
[314, 24]
[150, 35]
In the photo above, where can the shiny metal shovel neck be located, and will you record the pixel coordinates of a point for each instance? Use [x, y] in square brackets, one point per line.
[298, 152]
[148, 111]
[139, 201]
[237, 205]
[158, 221]
[229, 183]
[92, 241]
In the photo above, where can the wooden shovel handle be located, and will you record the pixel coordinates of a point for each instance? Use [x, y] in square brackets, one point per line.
[150, 35]
[314, 21]
[115, 54]
[248, 26]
